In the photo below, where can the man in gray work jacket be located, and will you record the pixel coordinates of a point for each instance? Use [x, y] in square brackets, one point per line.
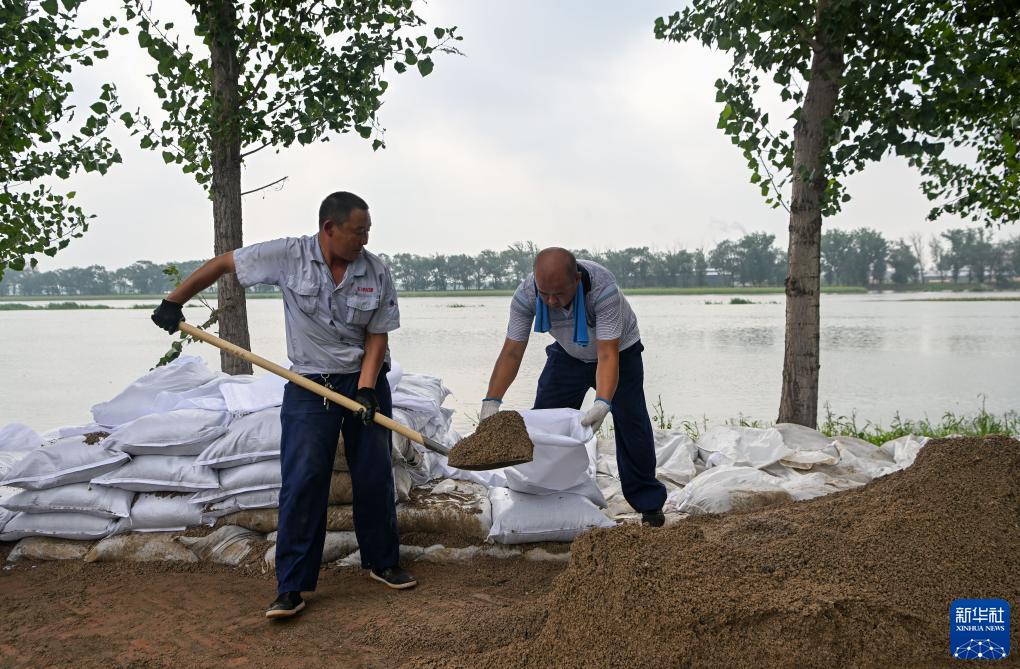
[339, 304]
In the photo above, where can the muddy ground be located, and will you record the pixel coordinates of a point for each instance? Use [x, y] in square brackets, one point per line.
[136, 615]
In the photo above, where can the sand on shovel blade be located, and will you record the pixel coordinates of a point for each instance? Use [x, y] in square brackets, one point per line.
[501, 440]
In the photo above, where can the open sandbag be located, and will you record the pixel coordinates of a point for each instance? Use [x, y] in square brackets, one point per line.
[139, 398]
[560, 460]
[730, 488]
[157, 473]
[69, 460]
[74, 498]
[250, 438]
[519, 518]
[78, 526]
[48, 548]
[228, 545]
[180, 432]
[140, 548]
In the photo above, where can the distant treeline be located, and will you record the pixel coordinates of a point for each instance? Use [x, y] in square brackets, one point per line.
[861, 257]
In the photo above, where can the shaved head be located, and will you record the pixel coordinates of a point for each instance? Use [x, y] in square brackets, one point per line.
[556, 276]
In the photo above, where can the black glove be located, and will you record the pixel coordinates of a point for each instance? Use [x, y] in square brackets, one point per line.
[366, 398]
[168, 315]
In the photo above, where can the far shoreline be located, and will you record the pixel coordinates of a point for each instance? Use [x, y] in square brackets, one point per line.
[695, 290]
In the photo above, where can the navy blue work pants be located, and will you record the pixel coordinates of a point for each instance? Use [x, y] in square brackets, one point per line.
[564, 383]
[310, 434]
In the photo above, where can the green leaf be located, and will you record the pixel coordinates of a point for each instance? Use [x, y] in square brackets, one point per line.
[425, 66]
[49, 6]
[168, 157]
[98, 107]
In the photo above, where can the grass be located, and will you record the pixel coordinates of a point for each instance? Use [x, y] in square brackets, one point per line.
[52, 306]
[963, 299]
[979, 424]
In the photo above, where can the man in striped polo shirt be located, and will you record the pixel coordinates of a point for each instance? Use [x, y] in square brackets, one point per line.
[597, 345]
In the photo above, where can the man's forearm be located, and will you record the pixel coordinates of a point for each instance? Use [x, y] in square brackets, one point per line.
[607, 374]
[202, 278]
[371, 363]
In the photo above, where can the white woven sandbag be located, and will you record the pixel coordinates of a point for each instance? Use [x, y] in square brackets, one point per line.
[63, 525]
[257, 499]
[162, 513]
[19, 437]
[519, 518]
[905, 449]
[74, 498]
[247, 478]
[206, 396]
[808, 447]
[228, 545]
[562, 460]
[250, 438]
[69, 460]
[139, 398]
[180, 432]
[674, 457]
[262, 393]
[730, 488]
[742, 446]
[154, 473]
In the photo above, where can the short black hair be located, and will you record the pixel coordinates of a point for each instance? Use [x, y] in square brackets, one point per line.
[337, 207]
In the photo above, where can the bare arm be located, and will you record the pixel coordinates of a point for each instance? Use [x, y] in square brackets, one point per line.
[505, 370]
[202, 278]
[371, 363]
[607, 373]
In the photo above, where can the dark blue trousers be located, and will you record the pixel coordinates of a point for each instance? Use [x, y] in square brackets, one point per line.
[310, 434]
[564, 383]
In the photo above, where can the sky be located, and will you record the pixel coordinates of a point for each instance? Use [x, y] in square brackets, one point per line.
[564, 123]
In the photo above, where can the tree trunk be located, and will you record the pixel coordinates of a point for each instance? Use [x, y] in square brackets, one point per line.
[226, 178]
[799, 401]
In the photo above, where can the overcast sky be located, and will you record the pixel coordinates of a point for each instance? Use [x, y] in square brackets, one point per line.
[566, 123]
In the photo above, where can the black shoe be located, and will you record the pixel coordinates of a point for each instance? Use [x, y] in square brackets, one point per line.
[653, 518]
[285, 605]
[394, 577]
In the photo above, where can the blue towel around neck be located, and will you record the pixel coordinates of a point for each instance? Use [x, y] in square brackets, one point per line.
[543, 322]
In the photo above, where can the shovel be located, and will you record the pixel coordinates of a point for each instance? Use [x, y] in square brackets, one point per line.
[317, 388]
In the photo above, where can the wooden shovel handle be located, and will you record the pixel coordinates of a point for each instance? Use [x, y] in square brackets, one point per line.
[305, 383]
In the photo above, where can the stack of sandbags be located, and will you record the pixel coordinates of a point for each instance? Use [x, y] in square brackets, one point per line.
[746, 467]
[555, 496]
[55, 498]
[164, 468]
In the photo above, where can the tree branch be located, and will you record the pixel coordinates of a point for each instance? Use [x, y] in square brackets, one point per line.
[269, 185]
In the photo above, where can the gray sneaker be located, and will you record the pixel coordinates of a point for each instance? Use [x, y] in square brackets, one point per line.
[286, 605]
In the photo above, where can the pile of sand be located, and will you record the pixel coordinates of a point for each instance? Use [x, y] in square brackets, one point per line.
[500, 440]
[859, 578]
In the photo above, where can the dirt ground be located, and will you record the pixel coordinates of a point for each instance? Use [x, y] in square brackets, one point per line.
[155, 615]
